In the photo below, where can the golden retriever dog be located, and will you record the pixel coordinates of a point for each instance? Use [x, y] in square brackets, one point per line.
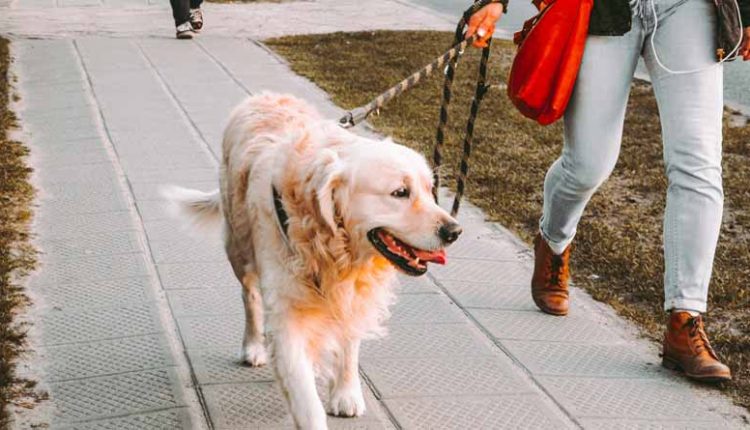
[317, 221]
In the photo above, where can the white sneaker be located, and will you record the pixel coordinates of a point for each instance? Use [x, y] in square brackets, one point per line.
[185, 31]
[196, 19]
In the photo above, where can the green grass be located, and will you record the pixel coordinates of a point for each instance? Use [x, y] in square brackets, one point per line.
[618, 252]
[17, 257]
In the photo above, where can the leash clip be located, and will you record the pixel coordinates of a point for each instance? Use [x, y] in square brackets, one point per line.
[353, 117]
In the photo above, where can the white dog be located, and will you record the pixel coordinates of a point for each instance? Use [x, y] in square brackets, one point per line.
[316, 221]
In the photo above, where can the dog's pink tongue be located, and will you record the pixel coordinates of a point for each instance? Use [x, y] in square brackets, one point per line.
[437, 257]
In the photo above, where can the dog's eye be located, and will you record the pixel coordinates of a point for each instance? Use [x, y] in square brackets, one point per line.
[401, 193]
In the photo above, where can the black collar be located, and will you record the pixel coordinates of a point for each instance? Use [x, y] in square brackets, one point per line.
[281, 215]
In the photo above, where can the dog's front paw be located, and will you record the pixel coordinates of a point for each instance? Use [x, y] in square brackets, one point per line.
[347, 403]
[254, 355]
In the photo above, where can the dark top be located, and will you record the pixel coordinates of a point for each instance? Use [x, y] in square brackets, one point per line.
[612, 17]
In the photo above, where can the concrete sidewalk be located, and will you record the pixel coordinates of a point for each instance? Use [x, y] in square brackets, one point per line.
[137, 325]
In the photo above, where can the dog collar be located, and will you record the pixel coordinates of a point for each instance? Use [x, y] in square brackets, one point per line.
[282, 218]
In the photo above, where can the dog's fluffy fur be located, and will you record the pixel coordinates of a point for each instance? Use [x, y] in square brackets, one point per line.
[324, 286]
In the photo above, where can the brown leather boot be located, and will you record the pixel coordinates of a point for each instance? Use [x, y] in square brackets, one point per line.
[549, 285]
[686, 348]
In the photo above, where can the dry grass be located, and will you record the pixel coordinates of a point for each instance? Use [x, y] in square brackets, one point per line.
[618, 254]
[16, 254]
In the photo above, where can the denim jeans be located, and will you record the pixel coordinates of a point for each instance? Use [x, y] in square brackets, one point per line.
[181, 10]
[690, 108]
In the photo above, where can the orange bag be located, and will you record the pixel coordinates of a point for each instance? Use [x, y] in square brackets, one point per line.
[549, 55]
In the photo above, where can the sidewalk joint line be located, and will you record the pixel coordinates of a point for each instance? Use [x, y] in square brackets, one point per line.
[183, 112]
[163, 308]
[508, 353]
[224, 68]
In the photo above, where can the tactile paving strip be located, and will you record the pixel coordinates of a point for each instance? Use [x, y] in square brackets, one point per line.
[627, 398]
[90, 173]
[224, 301]
[94, 268]
[118, 242]
[85, 205]
[427, 340]
[498, 272]
[106, 357]
[127, 393]
[261, 405]
[176, 418]
[60, 327]
[536, 326]
[92, 154]
[543, 358]
[614, 424]
[443, 376]
[415, 285]
[183, 249]
[173, 176]
[66, 226]
[423, 309]
[254, 405]
[212, 331]
[495, 412]
[477, 246]
[490, 295]
[184, 276]
[222, 365]
[153, 211]
[96, 294]
[151, 191]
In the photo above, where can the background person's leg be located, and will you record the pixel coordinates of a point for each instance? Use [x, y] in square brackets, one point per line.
[180, 11]
[593, 131]
[690, 107]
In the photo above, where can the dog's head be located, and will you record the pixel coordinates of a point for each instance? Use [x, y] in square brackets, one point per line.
[381, 194]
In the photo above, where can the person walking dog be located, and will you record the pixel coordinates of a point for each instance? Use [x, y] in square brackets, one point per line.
[677, 41]
[188, 17]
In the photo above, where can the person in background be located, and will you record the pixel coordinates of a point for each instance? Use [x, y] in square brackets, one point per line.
[188, 17]
[676, 39]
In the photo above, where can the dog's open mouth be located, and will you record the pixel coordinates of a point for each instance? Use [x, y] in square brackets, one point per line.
[410, 260]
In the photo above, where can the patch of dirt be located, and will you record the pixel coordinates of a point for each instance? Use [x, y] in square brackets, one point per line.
[17, 257]
[618, 250]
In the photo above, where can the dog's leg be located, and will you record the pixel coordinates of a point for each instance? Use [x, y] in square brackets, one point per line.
[295, 372]
[253, 343]
[346, 389]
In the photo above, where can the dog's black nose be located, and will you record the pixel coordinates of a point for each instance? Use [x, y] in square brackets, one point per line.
[449, 232]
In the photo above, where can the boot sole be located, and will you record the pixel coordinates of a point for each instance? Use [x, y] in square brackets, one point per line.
[675, 366]
[549, 311]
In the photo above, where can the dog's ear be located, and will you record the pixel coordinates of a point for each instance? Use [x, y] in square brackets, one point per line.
[330, 177]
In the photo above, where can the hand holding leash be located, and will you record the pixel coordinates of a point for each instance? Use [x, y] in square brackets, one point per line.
[745, 48]
[483, 23]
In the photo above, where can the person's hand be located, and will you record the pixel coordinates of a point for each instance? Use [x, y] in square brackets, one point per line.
[745, 48]
[483, 23]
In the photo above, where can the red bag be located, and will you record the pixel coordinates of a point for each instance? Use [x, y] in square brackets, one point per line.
[549, 55]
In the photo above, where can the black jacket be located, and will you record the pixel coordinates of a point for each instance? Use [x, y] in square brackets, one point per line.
[612, 17]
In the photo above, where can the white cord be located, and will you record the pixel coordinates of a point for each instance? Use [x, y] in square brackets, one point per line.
[685, 72]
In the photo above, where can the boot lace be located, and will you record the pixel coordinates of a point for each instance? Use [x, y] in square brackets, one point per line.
[698, 336]
[559, 271]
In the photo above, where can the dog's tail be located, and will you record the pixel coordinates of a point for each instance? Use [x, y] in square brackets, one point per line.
[198, 209]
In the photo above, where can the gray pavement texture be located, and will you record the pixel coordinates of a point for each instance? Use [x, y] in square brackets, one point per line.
[137, 325]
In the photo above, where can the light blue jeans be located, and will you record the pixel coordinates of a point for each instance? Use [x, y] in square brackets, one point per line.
[690, 108]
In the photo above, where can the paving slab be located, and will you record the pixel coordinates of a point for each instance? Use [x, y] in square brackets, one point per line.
[121, 394]
[476, 412]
